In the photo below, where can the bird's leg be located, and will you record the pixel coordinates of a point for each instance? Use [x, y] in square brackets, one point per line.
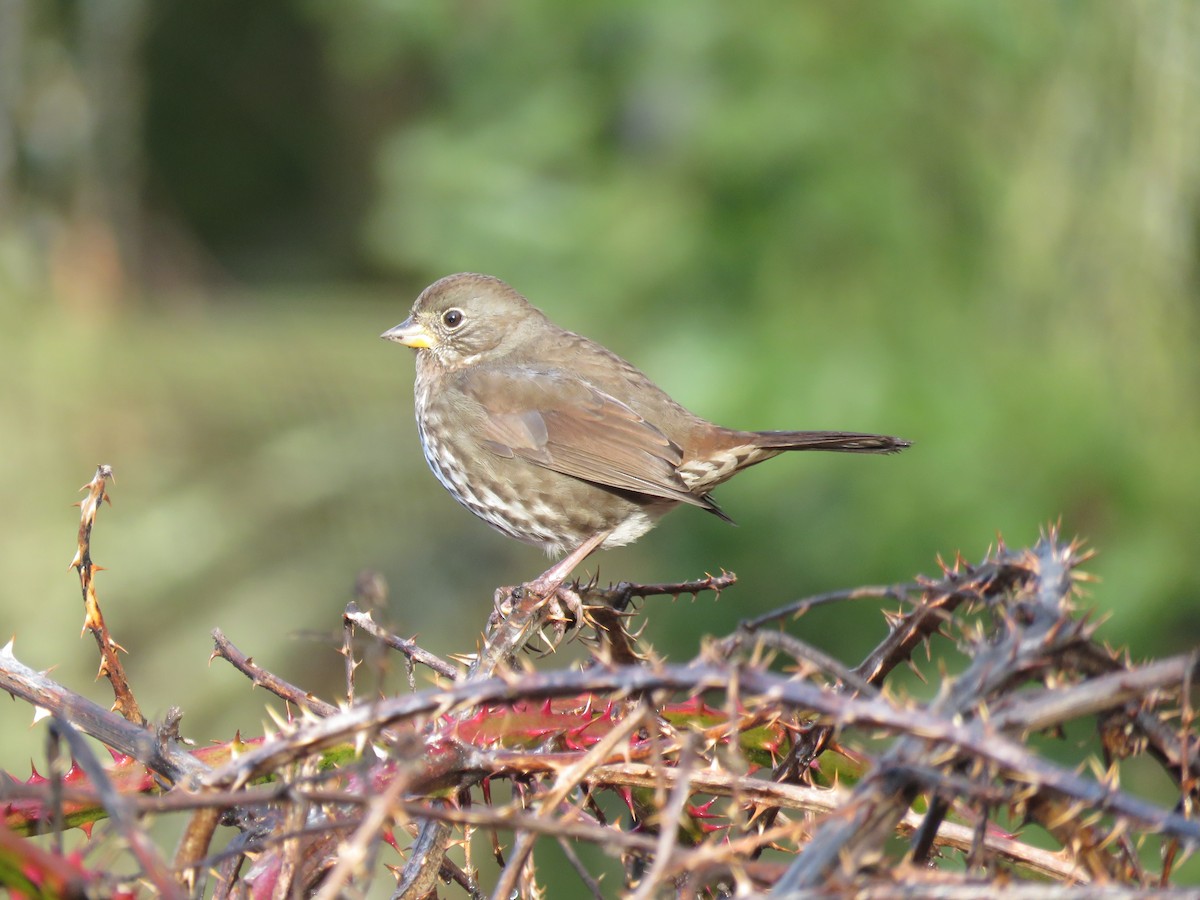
[549, 586]
[548, 583]
[547, 589]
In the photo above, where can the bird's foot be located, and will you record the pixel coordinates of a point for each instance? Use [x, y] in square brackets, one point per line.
[556, 605]
[564, 614]
[502, 605]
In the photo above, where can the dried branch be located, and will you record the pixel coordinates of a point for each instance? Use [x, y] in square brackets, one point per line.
[411, 650]
[93, 619]
[50, 698]
[620, 595]
[765, 765]
[797, 608]
[977, 738]
[223, 648]
[505, 638]
[1032, 631]
[153, 867]
[1042, 710]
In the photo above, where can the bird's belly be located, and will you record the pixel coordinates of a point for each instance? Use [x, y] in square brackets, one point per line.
[633, 527]
[533, 504]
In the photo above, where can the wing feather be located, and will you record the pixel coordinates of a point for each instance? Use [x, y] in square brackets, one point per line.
[565, 424]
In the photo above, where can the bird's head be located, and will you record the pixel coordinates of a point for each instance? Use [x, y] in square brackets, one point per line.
[459, 318]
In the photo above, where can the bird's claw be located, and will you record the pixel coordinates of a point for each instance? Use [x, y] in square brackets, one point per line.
[502, 605]
[564, 612]
[559, 606]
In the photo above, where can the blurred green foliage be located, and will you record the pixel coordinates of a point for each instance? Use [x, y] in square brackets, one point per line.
[973, 225]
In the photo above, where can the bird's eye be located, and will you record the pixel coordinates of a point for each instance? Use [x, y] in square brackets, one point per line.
[452, 318]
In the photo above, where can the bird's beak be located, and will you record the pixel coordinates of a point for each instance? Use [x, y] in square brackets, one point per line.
[410, 334]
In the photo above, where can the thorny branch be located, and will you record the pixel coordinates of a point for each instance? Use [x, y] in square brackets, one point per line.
[765, 765]
[93, 619]
[410, 648]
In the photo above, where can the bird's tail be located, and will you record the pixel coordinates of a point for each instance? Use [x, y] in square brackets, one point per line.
[840, 441]
[739, 450]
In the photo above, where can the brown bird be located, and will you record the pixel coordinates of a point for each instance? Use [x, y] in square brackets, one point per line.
[555, 440]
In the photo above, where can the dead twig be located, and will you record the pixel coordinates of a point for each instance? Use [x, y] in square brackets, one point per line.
[93, 619]
[411, 650]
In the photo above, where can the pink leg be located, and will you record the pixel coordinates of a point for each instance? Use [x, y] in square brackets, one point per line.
[548, 583]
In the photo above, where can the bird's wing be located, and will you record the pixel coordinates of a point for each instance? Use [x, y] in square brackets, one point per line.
[563, 423]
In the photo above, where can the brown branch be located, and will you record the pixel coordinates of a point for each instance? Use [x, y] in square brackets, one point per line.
[669, 818]
[223, 648]
[353, 853]
[671, 741]
[976, 738]
[501, 644]
[366, 622]
[154, 869]
[568, 779]
[47, 696]
[93, 619]
[1049, 707]
[518, 820]
[758, 793]
[797, 608]
[798, 650]
[620, 595]
[1030, 634]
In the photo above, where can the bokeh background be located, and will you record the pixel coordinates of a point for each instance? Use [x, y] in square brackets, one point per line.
[973, 225]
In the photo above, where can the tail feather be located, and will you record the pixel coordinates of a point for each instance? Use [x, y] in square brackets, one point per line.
[840, 441]
[739, 450]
